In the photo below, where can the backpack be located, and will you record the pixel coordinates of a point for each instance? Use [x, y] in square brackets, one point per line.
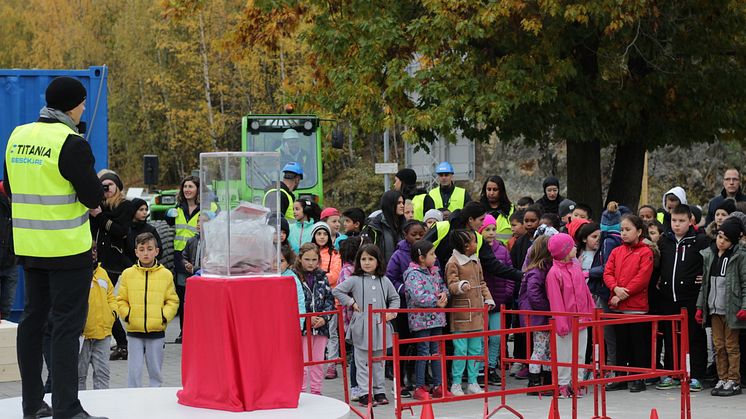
[7, 255]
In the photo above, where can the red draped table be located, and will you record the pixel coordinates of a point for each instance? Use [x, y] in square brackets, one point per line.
[241, 344]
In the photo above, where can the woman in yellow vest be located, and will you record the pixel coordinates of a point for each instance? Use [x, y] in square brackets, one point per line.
[185, 227]
[495, 200]
[110, 228]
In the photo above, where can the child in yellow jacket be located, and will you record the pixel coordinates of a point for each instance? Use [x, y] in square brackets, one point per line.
[102, 308]
[147, 302]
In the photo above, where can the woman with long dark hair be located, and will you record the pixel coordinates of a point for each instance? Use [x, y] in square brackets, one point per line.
[494, 199]
[385, 229]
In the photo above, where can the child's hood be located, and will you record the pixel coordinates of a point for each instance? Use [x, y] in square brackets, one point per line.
[678, 191]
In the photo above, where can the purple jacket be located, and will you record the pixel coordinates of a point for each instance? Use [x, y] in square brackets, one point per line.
[501, 289]
[399, 263]
[533, 296]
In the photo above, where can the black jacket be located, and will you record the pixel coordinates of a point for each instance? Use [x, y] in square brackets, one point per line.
[76, 163]
[490, 264]
[680, 264]
[111, 229]
[548, 206]
[383, 235]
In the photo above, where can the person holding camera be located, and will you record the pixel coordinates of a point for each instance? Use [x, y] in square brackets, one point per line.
[110, 225]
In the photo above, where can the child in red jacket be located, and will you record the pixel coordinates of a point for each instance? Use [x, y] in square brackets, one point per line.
[627, 275]
[567, 292]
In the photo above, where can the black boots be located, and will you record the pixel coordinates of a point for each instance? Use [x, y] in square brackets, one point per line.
[534, 380]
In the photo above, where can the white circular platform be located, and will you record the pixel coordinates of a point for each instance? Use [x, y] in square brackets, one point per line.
[161, 403]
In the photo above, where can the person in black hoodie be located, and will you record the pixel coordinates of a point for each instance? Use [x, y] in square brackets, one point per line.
[385, 228]
[140, 225]
[549, 203]
[679, 284]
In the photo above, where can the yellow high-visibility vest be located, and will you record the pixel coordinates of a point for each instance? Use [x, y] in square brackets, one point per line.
[289, 211]
[456, 202]
[48, 219]
[443, 227]
[418, 202]
[186, 229]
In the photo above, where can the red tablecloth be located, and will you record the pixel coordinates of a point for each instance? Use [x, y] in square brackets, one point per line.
[242, 344]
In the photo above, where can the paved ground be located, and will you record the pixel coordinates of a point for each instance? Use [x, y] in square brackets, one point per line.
[620, 404]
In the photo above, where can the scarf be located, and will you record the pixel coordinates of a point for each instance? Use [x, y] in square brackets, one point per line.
[52, 113]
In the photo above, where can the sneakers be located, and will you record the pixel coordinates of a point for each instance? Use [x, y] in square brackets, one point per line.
[119, 352]
[534, 380]
[515, 368]
[405, 393]
[331, 372]
[493, 377]
[695, 385]
[438, 392]
[354, 394]
[718, 387]
[522, 374]
[731, 388]
[637, 386]
[473, 388]
[363, 401]
[565, 392]
[381, 399]
[668, 383]
[421, 393]
[456, 389]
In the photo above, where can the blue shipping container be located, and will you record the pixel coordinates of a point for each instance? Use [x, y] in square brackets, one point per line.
[21, 98]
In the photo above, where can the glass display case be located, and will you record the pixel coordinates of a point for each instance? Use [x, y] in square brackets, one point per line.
[240, 234]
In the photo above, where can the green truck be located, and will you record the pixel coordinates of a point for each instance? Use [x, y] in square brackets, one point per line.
[296, 137]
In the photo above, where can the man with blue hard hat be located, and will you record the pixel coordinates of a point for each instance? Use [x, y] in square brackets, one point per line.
[447, 194]
[292, 174]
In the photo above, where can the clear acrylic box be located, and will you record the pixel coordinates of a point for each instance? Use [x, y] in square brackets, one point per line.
[238, 239]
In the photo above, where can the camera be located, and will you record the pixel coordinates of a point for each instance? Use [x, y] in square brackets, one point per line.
[105, 186]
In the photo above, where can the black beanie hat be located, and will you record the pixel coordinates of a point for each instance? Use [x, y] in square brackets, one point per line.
[407, 176]
[551, 180]
[112, 176]
[732, 228]
[65, 93]
[728, 206]
[138, 202]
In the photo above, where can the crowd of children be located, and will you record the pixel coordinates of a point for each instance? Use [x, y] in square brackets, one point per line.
[649, 261]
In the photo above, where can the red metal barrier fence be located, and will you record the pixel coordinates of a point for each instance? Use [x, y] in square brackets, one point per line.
[598, 362]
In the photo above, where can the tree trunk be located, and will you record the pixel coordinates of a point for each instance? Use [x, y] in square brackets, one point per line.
[584, 174]
[626, 177]
[206, 75]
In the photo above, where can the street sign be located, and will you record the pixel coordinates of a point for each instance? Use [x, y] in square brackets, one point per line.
[387, 168]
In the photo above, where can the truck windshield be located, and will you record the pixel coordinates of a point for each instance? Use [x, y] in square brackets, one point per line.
[299, 148]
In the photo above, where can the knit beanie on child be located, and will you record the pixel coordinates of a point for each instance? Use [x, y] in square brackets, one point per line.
[732, 229]
[138, 202]
[727, 205]
[611, 218]
[434, 214]
[566, 207]
[560, 245]
[320, 226]
[488, 220]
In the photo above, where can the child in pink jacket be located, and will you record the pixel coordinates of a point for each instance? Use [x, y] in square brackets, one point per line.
[567, 292]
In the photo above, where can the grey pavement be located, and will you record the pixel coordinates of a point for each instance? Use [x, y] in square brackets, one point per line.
[621, 404]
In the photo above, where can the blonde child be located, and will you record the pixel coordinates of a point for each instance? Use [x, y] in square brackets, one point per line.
[318, 296]
[468, 290]
[722, 303]
[102, 308]
[533, 296]
[424, 288]
[147, 301]
[567, 292]
[369, 286]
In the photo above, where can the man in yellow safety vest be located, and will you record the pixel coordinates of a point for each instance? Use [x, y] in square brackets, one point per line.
[52, 183]
[447, 194]
[292, 174]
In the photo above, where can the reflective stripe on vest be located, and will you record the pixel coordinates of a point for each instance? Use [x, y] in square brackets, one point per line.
[443, 227]
[418, 202]
[185, 230]
[48, 219]
[456, 201]
[289, 211]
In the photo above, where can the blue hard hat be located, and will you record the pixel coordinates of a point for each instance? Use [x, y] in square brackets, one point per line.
[293, 167]
[444, 167]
